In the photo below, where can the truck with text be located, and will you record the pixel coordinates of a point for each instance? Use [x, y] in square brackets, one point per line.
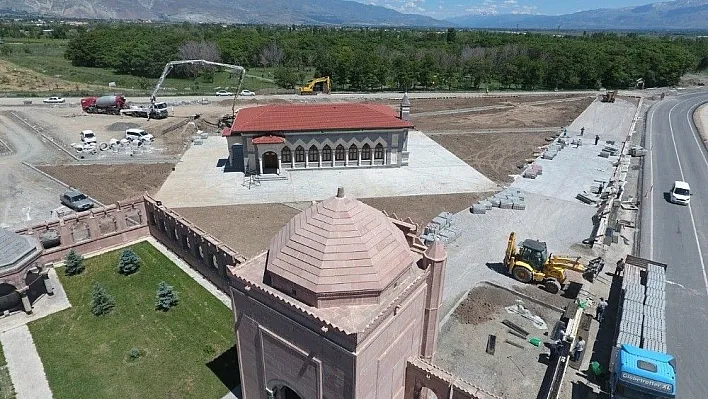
[640, 367]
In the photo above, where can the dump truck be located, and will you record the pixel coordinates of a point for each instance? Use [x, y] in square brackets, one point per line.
[640, 366]
[530, 262]
[317, 85]
[104, 104]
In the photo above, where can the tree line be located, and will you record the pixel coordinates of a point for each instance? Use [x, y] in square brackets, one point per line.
[379, 59]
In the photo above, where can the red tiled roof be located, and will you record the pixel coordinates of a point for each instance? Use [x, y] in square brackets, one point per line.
[268, 140]
[308, 117]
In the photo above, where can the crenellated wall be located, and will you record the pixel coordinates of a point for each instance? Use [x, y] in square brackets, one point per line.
[204, 253]
[132, 220]
[421, 374]
[92, 230]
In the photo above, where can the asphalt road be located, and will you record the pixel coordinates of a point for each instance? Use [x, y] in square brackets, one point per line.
[678, 235]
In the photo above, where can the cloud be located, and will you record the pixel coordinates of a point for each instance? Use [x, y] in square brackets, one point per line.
[494, 7]
[405, 6]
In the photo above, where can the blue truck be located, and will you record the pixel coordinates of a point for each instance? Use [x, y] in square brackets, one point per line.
[640, 368]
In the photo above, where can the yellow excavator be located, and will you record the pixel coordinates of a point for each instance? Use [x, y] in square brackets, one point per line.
[317, 85]
[530, 262]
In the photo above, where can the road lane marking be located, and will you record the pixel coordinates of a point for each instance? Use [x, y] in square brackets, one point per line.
[651, 186]
[700, 145]
[690, 210]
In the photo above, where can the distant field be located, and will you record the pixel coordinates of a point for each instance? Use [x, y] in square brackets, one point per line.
[46, 57]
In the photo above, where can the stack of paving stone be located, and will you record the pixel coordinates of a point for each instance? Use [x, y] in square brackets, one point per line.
[608, 151]
[533, 170]
[440, 228]
[508, 199]
[552, 151]
[642, 313]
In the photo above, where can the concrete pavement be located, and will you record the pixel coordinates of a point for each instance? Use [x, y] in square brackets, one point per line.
[678, 235]
[24, 364]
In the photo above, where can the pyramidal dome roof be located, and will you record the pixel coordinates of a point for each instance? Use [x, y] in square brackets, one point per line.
[14, 247]
[340, 246]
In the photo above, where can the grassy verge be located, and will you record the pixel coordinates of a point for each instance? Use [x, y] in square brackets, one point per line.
[46, 56]
[185, 352]
[6, 390]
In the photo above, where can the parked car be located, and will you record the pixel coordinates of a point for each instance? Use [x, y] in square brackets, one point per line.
[246, 93]
[224, 93]
[88, 137]
[54, 100]
[680, 193]
[141, 135]
[76, 200]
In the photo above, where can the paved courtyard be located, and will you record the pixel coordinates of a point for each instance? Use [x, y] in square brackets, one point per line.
[198, 181]
[552, 213]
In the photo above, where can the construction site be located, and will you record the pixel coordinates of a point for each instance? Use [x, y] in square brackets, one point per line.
[557, 171]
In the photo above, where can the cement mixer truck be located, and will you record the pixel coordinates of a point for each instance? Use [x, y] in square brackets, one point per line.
[104, 104]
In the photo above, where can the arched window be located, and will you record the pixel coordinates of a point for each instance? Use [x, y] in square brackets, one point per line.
[313, 155]
[353, 153]
[366, 152]
[326, 153]
[339, 153]
[286, 155]
[299, 154]
[378, 151]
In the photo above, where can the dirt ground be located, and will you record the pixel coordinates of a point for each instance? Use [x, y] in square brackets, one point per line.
[111, 183]
[519, 115]
[247, 229]
[495, 155]
[511, 372]
[428, 105]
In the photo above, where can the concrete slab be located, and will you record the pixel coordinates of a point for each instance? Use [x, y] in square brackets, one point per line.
[25, 366]
[610, 121]
[432, 169]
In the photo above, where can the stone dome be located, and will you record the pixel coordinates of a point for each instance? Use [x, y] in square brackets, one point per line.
[338, 249]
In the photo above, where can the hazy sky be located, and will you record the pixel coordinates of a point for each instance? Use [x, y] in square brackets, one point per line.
[446, 8]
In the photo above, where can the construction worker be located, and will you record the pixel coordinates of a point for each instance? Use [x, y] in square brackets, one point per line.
[579, 348]
[620, 267]
[560, 332]
[582, 130]
[597, 138]
[600, 310]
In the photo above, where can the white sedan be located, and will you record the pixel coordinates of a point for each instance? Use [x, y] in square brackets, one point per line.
[54, 100]
[224, 93]
[246, 93]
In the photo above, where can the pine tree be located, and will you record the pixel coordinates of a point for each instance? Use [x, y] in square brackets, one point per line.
[102, 302]
[74, 264]
[166, 297]
[129, 262]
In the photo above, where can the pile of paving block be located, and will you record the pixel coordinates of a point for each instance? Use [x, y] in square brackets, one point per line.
[642, 321]
[505, 199]
[532, 171]
[609, 150]
[440, 228]
[553, 150]
[594, 194]
[637, 151]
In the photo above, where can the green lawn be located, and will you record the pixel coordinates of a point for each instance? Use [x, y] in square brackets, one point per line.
[6, 390]
[188, 352]
[46, 56]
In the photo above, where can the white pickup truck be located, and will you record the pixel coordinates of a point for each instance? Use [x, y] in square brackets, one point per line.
[88, 137]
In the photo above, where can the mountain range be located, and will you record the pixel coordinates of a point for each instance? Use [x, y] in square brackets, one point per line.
[284, 12]
[678, 14]
[670, 15]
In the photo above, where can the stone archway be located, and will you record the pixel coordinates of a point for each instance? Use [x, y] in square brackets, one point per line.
[281, 390]
[9, 298]
[270, 162]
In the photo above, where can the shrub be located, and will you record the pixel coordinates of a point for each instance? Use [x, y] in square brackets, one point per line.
[134, 354]
[102, 302]
[166, 297]
[129, 262]
[74, 264]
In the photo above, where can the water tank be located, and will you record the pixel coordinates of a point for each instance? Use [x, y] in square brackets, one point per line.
[107, 101]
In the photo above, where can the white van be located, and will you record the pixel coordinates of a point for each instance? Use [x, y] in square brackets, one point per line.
[139, 135]
[680, 193]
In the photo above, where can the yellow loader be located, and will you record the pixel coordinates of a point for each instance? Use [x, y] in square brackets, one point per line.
[530, 262]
